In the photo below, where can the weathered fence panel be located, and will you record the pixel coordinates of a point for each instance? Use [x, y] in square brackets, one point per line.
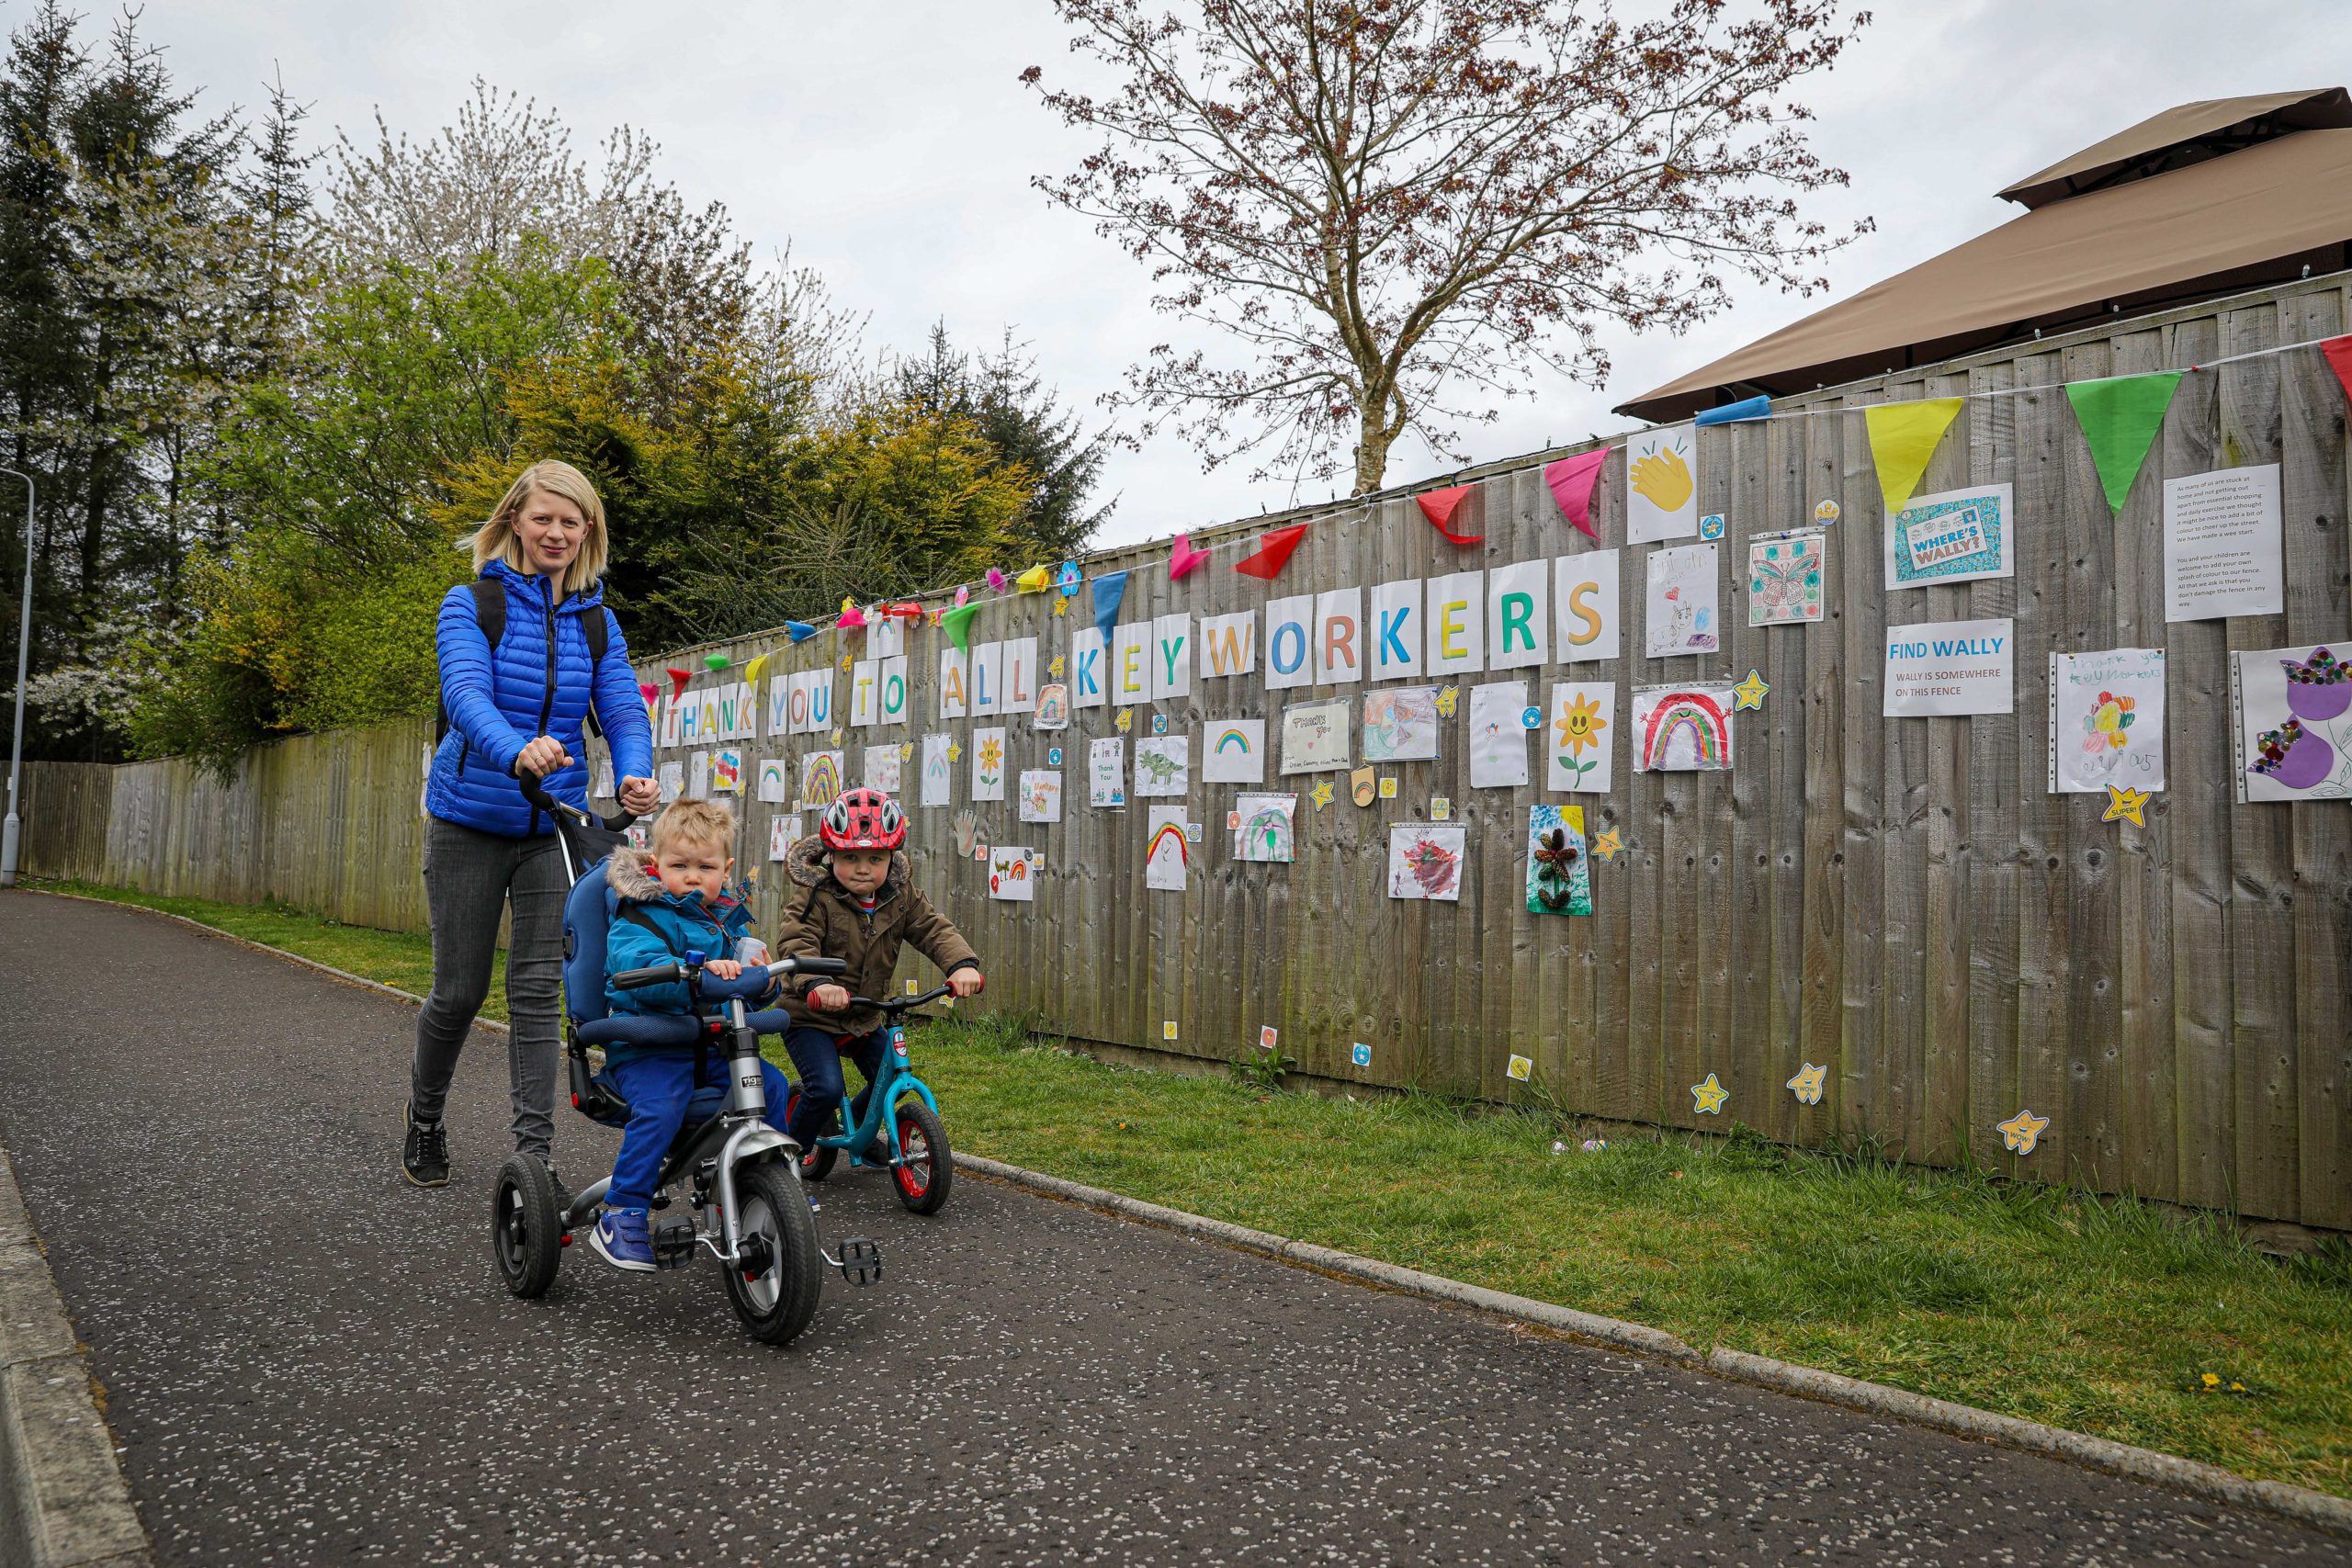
[1902, 900]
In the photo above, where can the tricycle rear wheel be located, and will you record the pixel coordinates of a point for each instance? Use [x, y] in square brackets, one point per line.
[526, 1231]
[925, 1169]
[779, 1297]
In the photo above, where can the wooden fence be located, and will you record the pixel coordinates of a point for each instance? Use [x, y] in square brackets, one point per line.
[1899, 899]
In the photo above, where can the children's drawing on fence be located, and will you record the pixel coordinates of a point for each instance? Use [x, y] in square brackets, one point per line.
[1041, 796]
[1683, 729]
[1425, 860]
[1163, 766]
[882, 771]
[1400, 725]
[1167, 855]
[2294, 739]
[784, 831]
[1234, 751]
[775, 782]
[1560, 880]
[964, 828]
[938, 771]
[1681, 601]
[1580, 736]
[1263, 827]
[1784, 578]
[1053, 707]
[698, 776]
[727, 772]
[1315, 736]
[987, 764]
[1956, 536]
[1013, 873]
[821, 778]
[674, 781]
[1497, 735]
[2106, 720]
[1106, 771]
[1661, 485]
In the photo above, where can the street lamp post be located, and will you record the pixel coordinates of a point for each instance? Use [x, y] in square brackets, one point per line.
[12, 829]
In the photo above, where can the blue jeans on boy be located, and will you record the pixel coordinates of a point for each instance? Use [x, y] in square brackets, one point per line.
[819, 1056]
[659, 1086]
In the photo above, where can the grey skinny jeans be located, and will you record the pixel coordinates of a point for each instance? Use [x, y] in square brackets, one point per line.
[469, 878]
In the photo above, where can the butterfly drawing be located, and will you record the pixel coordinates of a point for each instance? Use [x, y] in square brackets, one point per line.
[1783, 589]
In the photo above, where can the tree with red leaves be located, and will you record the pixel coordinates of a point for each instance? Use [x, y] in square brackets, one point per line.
[1398, 207]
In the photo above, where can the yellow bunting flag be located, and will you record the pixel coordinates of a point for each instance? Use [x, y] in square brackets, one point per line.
[1037, 579]
[752, 671]
[1903, 437]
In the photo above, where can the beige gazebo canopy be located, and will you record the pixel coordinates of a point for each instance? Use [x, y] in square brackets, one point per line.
[2203, 199]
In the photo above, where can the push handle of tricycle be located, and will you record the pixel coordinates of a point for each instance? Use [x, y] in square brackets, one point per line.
[754, 978]
[536, 793]
[900, 1004]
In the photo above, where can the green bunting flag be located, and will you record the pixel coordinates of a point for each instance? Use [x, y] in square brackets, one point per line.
[2121, 416]
[958, 623]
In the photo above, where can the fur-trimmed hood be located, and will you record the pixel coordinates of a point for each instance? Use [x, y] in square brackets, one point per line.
[808, 864]
[625, 874]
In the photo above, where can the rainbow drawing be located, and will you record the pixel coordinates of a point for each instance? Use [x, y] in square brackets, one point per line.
[1168, 835]
[1232, 740]
[821, 778]
[1664, 714]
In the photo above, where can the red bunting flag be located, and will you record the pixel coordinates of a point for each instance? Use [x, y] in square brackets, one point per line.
[678, 679]
[649, 692]
[1439, 505]
[2339, 354]
[1274, 549]
[1571, 481]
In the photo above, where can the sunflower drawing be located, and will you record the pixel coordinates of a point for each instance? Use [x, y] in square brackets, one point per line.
[992, 755]
[1579, 726]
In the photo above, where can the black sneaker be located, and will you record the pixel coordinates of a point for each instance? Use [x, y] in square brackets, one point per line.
[425, 1155]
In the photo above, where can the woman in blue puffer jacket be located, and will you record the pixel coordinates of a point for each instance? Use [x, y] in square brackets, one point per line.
[518, 704]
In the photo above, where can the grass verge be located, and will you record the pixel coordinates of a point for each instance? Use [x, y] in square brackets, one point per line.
[2118, 1318]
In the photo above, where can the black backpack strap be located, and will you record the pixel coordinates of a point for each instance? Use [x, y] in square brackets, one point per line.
[490, 613]
[596, 621]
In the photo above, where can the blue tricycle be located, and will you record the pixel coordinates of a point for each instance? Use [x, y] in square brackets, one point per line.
[900, 1128]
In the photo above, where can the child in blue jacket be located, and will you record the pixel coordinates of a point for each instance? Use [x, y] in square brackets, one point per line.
[678, 903]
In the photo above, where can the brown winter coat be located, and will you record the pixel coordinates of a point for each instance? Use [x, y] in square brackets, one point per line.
[819, 920]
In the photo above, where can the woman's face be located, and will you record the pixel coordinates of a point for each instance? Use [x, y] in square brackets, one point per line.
[551, 531]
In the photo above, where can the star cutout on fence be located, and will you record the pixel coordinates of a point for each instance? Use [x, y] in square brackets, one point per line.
[1126, 720]
[1806, 1085]
[907, 751]
[955, 750]
[1751, 691]
[837, 737]
[1061, 606]
[1056, 666]
[1709, 1097]
[847, 661]
[1322, 793]
[1606, 846]
[2020, 1131]
[2124, 804]
[1446, 699]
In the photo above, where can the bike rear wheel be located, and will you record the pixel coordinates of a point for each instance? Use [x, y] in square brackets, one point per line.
[526, 1231]
[777, 1296]
[926, 1167]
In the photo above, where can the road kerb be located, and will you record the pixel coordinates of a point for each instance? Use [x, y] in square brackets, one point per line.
[2211, 1483]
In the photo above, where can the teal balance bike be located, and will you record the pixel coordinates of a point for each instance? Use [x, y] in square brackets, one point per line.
[900, 1129]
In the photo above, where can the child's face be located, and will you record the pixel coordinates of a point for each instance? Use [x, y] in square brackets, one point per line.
[688, 869]
[862, 871]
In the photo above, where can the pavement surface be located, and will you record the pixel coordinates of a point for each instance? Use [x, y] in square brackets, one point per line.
[307, 1361]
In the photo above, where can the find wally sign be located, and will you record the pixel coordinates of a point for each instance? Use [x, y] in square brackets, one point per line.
[1951, 667]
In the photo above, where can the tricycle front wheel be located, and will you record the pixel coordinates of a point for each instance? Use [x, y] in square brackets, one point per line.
[774, 1287]
[926, 1168]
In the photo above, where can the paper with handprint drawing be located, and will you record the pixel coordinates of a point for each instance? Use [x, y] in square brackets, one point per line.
[1662, 485]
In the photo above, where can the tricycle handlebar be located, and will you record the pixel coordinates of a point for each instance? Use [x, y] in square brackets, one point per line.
[673, 971]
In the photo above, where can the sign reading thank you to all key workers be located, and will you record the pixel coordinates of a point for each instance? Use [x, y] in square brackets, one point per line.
[1951, 667]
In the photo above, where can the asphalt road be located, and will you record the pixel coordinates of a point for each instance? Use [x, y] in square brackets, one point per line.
[307, 1361]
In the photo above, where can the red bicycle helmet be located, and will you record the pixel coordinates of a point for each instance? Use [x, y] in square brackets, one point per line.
[862, 820]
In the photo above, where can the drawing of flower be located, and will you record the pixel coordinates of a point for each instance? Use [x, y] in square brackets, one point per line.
[992, 755]
[1579, 728]
[2294, 756]
[2319, 687]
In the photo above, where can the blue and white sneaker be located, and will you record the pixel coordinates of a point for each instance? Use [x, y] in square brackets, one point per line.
[621, 1240]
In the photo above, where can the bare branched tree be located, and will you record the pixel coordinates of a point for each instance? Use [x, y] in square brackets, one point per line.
[1399, 206]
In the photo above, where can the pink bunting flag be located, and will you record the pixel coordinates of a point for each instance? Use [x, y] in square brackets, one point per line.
[1183, 558]
[1571, 481]
[996, 580]
[648, 691]
[852, 617]
[1439, 505]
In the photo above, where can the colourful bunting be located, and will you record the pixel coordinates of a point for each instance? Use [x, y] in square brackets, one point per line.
[715, 660]
[1903, 437]
[1571, 481]
[851, 619]
[2339, 357]
[650, 692]
[799, 631]
[1109, 590]
[2121, 416]
[963, 594]
[1274, 549]
[1037, 579]
[1439, 505]
[678, 679]
[1183, 558]
[751, 670]
[996, 581]
[1734, 413]
[957, 624]
[904, 612]
[1067, 581]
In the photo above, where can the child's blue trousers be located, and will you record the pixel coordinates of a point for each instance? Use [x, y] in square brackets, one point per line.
[659, 1086]
[819, 1056]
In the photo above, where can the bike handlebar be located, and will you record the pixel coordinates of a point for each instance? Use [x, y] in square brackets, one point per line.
[536, 793]
[900, 1004]
[757, 976]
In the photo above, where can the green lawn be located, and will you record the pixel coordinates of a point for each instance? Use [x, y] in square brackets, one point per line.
[2102, 1316]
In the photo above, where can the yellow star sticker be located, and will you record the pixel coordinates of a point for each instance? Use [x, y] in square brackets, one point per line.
[1322, 793]
[847, 661]
[1751, 691]
[837, 737]
[2019, 1133]
[1807, 1084]
[1606, 846]
[955, 750]
[1056, 666]
[907, 751]
[1709, 1097]
[1446, 699]
[1126, 720]
[1061, 606]
[2124, 804]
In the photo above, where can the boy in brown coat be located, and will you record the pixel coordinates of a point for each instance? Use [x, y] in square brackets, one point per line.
[855, 900]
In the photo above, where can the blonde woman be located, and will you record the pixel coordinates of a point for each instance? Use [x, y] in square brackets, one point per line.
[527, 651]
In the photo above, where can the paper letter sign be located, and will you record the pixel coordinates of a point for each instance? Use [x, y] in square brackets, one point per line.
[1131, 663]
[1090, 668]
[1171, 657]
[1021, 675]
[1394, 632]
[988, 678]
[955, 676]
[1519, 608]
[1290, 638]
[1457, 624]
[1229, 644]
[864, 703]
[1339, 632]
[1586, 591]
[892, 676]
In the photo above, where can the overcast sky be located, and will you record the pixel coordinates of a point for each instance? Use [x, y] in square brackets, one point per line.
[892, 146]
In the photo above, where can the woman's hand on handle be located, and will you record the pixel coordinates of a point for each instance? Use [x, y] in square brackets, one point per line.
[543, 755]
[639, 796]
[829, 999]
[966, 982]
